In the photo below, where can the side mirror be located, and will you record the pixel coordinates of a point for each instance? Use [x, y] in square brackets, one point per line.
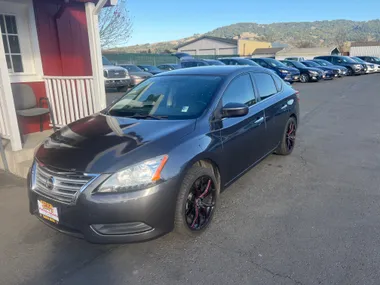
[234, 110]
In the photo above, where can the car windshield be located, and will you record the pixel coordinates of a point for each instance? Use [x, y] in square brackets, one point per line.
[323, 62]
[150, 68]
[275, 63]
[246, 62]
[358, 60]
[311, 63]
[105, 61]
[299, 64]
[132, 68]
[168, 97]
[377, 60]
[214, 62]
[347, 59]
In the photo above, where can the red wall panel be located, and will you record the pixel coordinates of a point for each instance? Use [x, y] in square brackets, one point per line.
[64, 47]
[63, 38]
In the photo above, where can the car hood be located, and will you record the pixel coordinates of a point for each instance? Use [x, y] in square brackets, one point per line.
[290, 69]
[105, 144]
[113, 67]
[313, 69]
[140, 73]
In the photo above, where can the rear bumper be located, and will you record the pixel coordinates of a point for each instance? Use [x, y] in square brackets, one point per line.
[114, 218]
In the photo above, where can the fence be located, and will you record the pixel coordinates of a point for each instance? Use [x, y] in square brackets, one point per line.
[151, 59]
[71, 98]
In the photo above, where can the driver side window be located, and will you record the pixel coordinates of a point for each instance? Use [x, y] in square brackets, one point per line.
[263, 63]
[240, 90]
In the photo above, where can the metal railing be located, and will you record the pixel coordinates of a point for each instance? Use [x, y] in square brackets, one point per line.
[71, 98]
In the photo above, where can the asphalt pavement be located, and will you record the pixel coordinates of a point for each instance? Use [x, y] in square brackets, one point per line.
[308, 218]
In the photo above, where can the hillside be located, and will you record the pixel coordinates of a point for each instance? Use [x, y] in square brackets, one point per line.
[319, 33]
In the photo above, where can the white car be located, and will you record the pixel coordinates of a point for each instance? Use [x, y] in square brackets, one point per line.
[369, 67]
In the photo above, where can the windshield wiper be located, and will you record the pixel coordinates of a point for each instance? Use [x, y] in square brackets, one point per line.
[139, 116]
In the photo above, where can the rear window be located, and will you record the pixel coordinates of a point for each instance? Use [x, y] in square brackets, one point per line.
[265, 85]
[278, 81]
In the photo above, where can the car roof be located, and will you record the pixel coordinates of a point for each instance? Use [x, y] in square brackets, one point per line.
[224, 70]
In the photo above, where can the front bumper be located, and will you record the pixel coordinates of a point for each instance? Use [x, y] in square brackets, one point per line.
[117, 82]
[290, 77]
[315, 77]
[114, 218]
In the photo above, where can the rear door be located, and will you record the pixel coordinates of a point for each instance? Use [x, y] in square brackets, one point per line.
[276, 106]
[242, 137]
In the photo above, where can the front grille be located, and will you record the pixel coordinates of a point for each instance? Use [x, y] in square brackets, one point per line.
[113, 73]
[62, 187]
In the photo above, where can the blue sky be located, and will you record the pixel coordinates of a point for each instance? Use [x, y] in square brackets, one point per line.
[164, 20]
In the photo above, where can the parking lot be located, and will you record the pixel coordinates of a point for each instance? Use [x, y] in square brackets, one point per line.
[308, 218]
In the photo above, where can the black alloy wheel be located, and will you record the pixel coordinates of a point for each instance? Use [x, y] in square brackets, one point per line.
[291, 135]
[350, 72]
[289, 138]
[200, 203]
[197, 201]
[304, 78]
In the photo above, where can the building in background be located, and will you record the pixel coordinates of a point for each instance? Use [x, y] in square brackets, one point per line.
[266, 52]
[307, 53]
[207, 45]
[365, 49]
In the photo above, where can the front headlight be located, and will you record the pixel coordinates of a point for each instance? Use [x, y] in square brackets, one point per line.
[136, 77]
[135, 177]
[312, 72]
[284, 71]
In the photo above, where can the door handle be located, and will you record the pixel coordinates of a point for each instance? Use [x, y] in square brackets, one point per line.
[284, 107]
[259, 120]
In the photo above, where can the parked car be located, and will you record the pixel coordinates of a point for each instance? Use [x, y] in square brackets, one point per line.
[150, 68]
[169, 66]
[288, 74]
[307, 74]
[192, 62]
[214, 62]
[369, 67]
[115, 76]
[295, 58]
[370, 59]
[237, 61]
[331, 72]
[324, 63]
[163, 154]
[353, 68]
[137, 74]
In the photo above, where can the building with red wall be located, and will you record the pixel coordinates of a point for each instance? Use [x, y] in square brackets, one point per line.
[53, 46]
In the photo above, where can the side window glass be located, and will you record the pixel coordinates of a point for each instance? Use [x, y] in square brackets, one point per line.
[240, 90]
[278, 82]
[265, 85]
[262, 63]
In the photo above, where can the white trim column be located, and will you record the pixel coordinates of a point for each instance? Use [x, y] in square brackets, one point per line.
[6, 91]
[96, 56]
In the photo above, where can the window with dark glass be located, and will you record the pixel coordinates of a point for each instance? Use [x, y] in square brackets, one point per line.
[240, 90]
[278, 82]
[11, 43]
[265, 85]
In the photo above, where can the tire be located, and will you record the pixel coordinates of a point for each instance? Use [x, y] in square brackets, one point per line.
[122, 88]
[183, 223]
[350, 72]
[304, 78]
[283, 148]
